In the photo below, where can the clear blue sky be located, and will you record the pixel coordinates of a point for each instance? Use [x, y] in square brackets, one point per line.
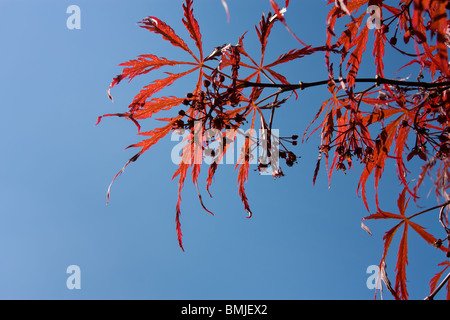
[303, 242]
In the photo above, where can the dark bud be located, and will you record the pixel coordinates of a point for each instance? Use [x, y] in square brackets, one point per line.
[239, 118]
[369, 150]
[289, 162]
[437, 243]
[294, 137]
[442, 118]
[179, 124]
[341, 166]
[291, 156]
[186, 102]
[222, 78]
[206, 83]
[444, 149]
[181, 113]
[443, 137]
[340, 150]
[294, 143]
[218, 122]
[189, 95]
[393, 41]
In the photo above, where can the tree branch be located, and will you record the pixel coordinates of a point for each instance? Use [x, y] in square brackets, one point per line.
[377, 81]
[431, 296]
[442, 206]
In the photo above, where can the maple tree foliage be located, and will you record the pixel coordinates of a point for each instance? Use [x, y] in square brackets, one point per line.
[372, 121]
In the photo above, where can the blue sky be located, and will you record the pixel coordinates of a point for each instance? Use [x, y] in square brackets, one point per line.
[303, 242]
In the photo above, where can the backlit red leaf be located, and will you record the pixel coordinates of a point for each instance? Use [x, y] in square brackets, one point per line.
[280, 16]
[157, 26]
[402, 261]
[148, 91]
[192, 26]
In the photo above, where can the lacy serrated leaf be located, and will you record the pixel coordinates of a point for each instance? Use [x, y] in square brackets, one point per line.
[192, 26]
[158, 26]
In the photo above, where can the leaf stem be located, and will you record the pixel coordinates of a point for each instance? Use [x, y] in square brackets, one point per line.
[430, 209]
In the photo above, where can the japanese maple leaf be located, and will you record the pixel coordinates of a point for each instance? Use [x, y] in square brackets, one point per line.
[145, 104]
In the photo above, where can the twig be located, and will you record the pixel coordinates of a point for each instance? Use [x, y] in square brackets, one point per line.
[447, 230]
[431, 296]
[430, 209]
[377, 81]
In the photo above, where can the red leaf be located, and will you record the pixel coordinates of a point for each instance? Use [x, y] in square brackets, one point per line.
[347, 37]
[392, 10]
[402, 261]
[280, 16]
[134, 158]
[380, 156]
[434, 281]
[265, 26]
[244, 162]
[356, 4]
[355, 57]
[439, 25]
[387, 243]
[242, 178]
[182, 172]
[142, 65]
[155, 135]
[156, 86]
[383, 215]
[341, 5]
[211, 172]
[388, 238]
[316, 170]
[378, 51]
[201, 201]
[429, 238]
[146, 63]
[159, 27]
[192, 26]
[295, 54]
[401, 204]
[156, 105]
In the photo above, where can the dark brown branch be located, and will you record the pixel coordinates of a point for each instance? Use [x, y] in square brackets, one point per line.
[442, 206]
[377, 81]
